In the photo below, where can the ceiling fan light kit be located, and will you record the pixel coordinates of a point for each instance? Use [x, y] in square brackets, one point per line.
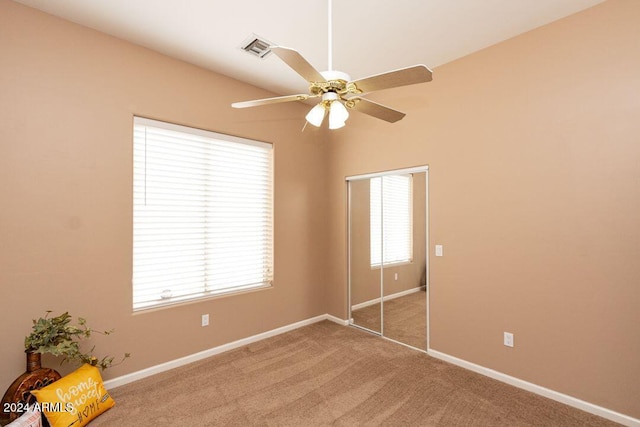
[338, 115]
[316, 115]
[338, 92]
[331, 103]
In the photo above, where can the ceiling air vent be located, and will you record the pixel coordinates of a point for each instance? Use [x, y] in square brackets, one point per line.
[256, 45]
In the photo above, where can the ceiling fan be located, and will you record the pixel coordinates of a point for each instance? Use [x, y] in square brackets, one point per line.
[337, 91]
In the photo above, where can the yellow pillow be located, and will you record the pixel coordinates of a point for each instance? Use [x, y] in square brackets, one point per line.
[75, 399]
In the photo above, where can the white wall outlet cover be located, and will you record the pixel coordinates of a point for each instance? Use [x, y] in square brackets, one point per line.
[205, 320]
[508, 339]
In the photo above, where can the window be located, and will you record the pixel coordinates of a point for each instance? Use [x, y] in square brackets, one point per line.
[391, 208]
[202, 214]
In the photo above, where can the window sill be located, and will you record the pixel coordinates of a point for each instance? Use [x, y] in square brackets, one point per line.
[391, 264]
[201, 298]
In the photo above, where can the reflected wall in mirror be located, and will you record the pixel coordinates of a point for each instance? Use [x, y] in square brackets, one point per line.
[365, 285]
[387, 255]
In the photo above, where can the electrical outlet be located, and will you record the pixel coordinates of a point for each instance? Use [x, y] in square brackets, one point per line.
[205, 320]
[508, 339]
[396, 276]
[439, 250]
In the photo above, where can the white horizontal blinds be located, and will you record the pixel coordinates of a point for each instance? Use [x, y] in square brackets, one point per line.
[202, 214]
[391, 219]
[397, 218]
[375, 211]
[239, 217]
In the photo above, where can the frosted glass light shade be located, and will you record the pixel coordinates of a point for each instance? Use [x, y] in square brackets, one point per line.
[335, 125]
[338, 114]
[316, 115]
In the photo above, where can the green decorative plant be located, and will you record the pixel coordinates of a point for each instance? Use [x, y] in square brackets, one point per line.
[57, 336]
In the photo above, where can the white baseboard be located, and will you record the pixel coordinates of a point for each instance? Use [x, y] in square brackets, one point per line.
[343, 322]
[387, 298]
[542, 391]
[138, 375]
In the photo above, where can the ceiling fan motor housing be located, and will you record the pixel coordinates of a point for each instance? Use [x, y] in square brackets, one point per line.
[335, 75]
[336, 81]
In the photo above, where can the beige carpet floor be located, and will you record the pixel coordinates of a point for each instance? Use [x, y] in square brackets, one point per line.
[327, 374]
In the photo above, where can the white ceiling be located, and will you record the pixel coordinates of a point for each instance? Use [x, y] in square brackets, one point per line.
[369, 36]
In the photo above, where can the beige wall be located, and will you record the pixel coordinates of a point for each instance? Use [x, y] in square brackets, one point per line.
[534, 192]
[534, 154]
[67, 98]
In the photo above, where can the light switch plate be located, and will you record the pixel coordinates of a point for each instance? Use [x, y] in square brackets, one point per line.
[439, 250]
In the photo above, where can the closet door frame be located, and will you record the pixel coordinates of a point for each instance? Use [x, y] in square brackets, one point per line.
[412, 170]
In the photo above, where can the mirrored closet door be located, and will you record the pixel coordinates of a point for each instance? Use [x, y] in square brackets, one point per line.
[388, 263]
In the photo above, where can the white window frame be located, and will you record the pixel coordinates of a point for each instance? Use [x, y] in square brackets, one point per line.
[202, 182]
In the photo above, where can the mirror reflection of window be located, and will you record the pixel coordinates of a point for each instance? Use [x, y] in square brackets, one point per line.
[391, 219]
[388, 269]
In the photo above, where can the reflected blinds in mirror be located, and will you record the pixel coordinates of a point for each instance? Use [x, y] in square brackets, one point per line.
[391, 219]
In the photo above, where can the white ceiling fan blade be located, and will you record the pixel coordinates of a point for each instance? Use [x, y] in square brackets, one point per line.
[403, 77]
[374, 109]
[296, 61]
[267, 101]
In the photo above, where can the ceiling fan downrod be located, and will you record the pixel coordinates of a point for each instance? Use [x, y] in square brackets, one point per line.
[330, 33]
